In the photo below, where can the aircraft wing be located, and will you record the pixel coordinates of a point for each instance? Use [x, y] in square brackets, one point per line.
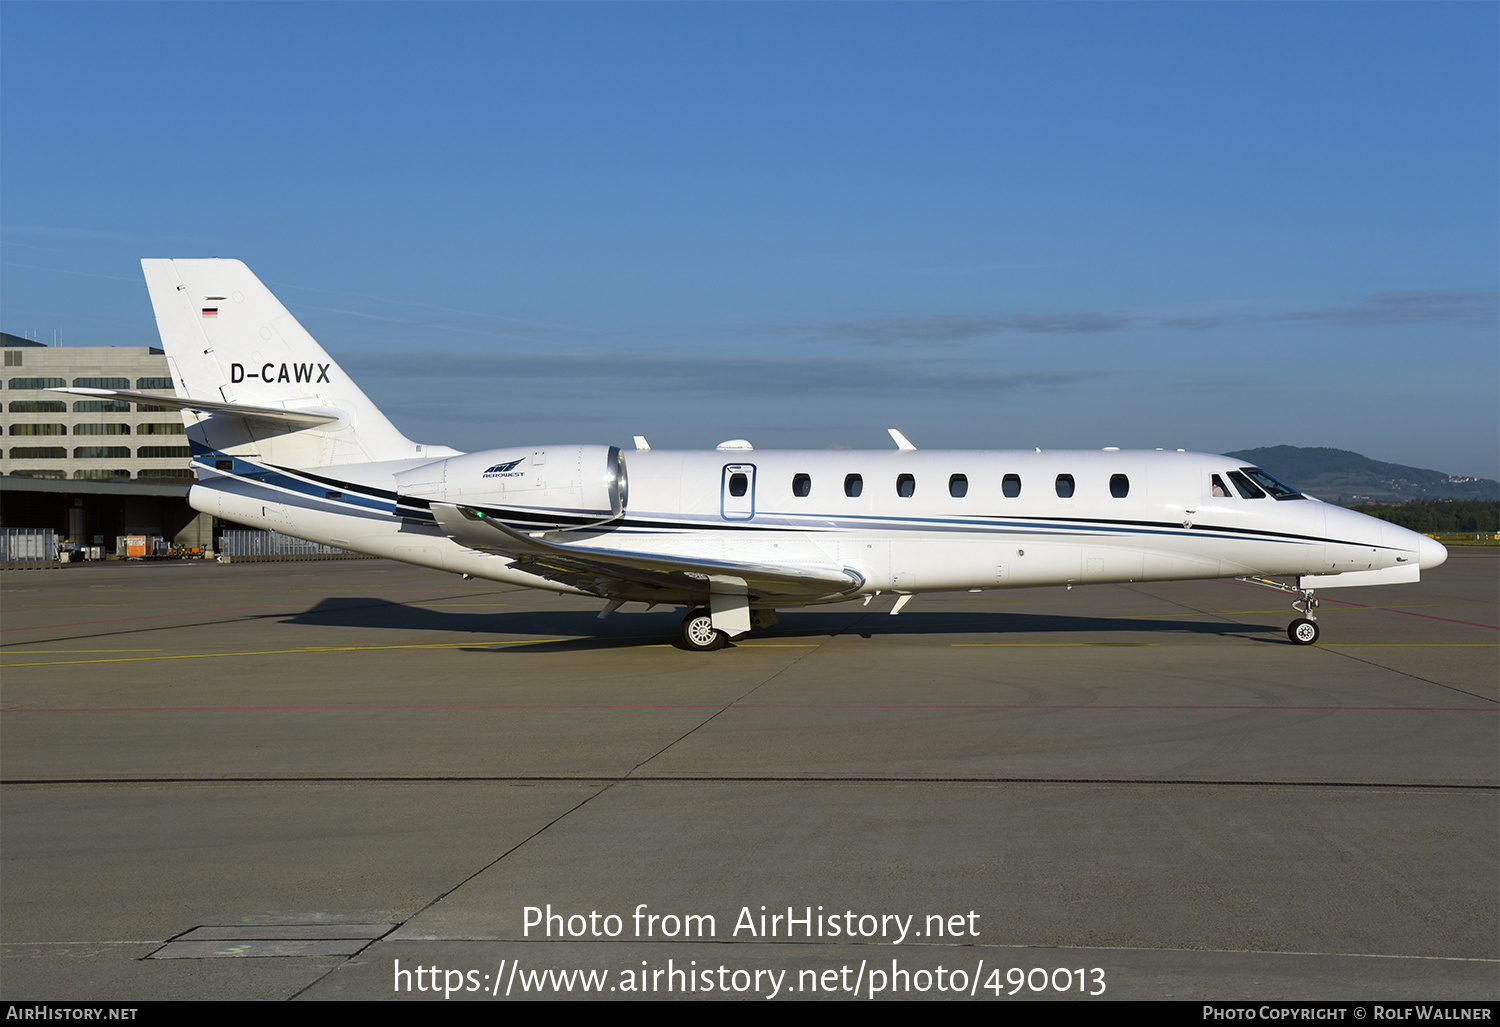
[278, 415]
[614, 571]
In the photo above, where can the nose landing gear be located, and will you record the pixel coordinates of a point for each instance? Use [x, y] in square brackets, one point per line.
[1304, 630]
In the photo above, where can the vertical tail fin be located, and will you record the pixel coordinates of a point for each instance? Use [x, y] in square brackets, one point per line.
[229, 340]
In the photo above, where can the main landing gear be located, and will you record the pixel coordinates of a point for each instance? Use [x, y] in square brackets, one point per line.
[699, 633]
[1304, 630]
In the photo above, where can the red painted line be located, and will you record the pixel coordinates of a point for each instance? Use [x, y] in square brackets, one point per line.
[740, 706]
[1362, 606]
[1409, 613]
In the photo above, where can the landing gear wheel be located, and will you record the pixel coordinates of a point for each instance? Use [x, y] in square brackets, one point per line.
[699, 633]
[1303, 631]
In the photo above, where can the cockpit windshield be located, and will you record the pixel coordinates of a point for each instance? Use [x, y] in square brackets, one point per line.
[1275, 486]
[1246, 488]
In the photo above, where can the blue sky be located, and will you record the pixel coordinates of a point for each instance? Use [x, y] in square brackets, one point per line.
[1207, 226]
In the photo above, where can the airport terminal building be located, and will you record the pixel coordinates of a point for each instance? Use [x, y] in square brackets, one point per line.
[61, 437]
[91, 469]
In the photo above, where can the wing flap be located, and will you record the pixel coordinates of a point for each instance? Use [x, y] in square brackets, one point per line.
[694, 575]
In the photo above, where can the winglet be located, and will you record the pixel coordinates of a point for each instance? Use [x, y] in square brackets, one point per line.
[902, 443]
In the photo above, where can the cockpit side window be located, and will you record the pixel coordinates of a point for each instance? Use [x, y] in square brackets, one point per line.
[1245, 486]
[1221, 491]
[1272, 484]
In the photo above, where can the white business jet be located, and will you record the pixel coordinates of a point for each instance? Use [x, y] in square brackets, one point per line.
[282, 439]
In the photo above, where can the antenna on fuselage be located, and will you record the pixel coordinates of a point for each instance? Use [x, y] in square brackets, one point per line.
[902, 442]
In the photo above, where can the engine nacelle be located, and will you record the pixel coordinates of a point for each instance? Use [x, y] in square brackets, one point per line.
[541, 487]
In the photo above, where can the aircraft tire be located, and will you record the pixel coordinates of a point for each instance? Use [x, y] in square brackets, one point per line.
[698, 632]
[1303, 631]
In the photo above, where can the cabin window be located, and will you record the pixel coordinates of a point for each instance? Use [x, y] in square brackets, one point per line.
[1064, 486]
[801, 485]
[1246, 487]
[906, 486]
[738, 484]
[1011, 485]
[958, 486]
[1119, 486]
[853, 485]
[1221, 491]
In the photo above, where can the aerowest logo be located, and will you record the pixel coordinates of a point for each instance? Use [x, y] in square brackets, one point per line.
[505, 470]
[312, 373]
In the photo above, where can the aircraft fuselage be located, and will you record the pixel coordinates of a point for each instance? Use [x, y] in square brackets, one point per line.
[902, 521]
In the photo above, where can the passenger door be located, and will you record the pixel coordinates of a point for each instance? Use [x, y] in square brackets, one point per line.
[737, 492]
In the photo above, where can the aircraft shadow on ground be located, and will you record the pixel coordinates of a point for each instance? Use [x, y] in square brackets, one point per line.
[624, 630]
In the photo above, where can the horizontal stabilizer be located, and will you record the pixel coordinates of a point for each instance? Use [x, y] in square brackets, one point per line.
[306, 418]
[472, 528]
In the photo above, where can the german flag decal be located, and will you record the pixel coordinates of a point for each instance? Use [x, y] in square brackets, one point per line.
[210, 311]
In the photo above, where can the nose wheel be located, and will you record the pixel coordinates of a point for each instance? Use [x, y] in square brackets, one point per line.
[1303, 631]
[699, 633]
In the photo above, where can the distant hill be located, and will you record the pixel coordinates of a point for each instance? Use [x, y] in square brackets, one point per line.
[1339, 476]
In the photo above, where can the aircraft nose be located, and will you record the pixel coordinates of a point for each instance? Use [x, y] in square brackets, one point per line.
[1431, 553]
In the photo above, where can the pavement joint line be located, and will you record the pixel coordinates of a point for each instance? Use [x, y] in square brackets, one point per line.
[730, 705]
[605, 786]
[607, 781]
[925, 943]
[466, 879]
[1011, 946]
[1335, 650]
